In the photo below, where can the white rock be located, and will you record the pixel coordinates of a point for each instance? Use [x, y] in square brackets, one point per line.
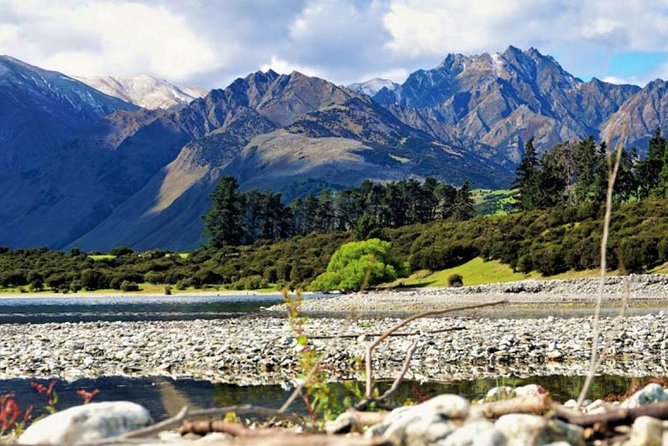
[651, 393]
[476, 433]
[646, 431]
[530, 390]
[521, 429]
[83, 424]
[425, 423]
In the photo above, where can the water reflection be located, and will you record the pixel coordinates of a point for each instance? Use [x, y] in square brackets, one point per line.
[164, 397]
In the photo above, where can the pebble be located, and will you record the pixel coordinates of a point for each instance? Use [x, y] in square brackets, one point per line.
[253, 350]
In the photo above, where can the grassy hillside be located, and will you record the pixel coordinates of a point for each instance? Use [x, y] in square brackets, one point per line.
[563, 242]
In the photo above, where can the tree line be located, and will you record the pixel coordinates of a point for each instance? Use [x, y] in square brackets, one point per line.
[577, 173]
[243, 218]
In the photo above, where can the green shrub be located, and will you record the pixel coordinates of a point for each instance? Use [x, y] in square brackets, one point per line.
[359, 264]
[126, 285]
[455, 280]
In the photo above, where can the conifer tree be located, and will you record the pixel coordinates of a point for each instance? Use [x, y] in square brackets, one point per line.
[526, 177]
[223, 221]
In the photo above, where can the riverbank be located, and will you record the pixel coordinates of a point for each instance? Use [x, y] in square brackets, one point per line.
[525, 298]
[117, 294]
[263, 350]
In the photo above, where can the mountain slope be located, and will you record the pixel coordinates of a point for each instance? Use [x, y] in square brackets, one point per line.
[269, 130]
[144, 91]
[642, 113]
[495, 103]
[53, 137]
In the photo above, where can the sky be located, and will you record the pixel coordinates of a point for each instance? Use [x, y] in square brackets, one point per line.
[209, 43]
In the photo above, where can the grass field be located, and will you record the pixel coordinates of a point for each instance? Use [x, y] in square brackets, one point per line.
[479, 272]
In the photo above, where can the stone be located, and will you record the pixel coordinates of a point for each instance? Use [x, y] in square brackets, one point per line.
[214, 437]
[424, 424]
[522, 429]
[646, 431]
[87, 423]
[343, 424]
[530, 390]
[651, 393]
[475, 433]
[499, 393]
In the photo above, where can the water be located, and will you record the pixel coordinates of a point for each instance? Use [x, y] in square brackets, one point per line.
[165, 397]
[36, 310]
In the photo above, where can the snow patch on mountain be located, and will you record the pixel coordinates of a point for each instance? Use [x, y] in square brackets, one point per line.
[144, 91]
[373, 86]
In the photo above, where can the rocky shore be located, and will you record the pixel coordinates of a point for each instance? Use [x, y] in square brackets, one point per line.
[262, 350]
[557, 297]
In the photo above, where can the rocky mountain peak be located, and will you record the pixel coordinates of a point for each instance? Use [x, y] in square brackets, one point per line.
[145, 91]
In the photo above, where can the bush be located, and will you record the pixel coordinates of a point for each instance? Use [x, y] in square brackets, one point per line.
[126, 285]
[359, 264]
[455, 280]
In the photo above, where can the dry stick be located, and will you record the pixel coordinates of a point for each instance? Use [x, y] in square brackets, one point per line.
[374, 335]
[314, 369]
[615, 417]
[601, 282]
[402, 373]
[386, 334]
[179, 418]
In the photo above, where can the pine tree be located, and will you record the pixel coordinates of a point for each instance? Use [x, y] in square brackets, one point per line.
[651, 167]
[526, 176]
[223, 221]
[463, 208]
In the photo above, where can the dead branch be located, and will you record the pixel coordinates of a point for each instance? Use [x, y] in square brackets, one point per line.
[524, 404]
[403, 323]
[375, 335]
[615, 417]
[276, 436]
[402, 373]
[367, 418]
[612, 177]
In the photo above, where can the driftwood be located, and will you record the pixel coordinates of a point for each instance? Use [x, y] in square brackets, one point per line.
[273, 437]
[375, 335]
[537, 405]
[615, 417]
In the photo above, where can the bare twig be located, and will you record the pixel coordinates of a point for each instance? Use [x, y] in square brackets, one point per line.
[612, 177]
[403, 323]
[615, 417]
[402, 373]
[374, 335]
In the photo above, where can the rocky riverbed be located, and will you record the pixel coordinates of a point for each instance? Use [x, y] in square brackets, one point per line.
[558, 297]
[262, 350]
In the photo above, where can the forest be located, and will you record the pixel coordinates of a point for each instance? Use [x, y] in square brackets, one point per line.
[257, 241]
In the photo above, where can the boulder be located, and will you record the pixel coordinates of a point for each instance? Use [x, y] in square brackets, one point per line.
[651, 393]
[522, 429]
[424, 424]
[87, 423]
[475, 433]
[646, 431]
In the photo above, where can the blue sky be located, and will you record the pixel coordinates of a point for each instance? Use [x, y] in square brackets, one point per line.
[208, 43]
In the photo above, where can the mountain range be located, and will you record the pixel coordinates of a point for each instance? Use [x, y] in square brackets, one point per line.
[145, 91]
[97, 163]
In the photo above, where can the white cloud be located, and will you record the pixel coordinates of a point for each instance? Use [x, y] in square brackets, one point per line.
[282, 66]
[103, 37]
[209, 43]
